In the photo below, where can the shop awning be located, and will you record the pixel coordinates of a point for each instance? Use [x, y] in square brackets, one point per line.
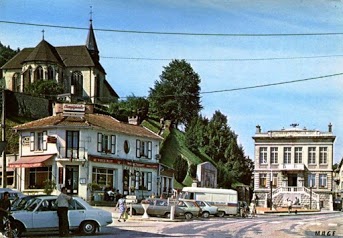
[30, 161]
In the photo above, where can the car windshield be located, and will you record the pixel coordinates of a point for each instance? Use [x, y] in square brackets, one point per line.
[31, 205]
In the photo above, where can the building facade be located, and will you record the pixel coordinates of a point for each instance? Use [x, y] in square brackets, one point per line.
[85, 151]
[294, 164]
[76, 68]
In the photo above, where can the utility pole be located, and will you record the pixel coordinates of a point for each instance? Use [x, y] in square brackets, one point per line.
[3, 142]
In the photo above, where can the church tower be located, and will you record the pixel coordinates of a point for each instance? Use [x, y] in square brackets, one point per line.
[91, 42]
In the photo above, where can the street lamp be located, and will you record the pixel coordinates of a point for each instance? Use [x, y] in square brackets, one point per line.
[271, 189]
[311, 193]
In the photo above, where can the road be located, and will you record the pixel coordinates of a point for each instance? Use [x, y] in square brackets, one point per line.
[262, 226]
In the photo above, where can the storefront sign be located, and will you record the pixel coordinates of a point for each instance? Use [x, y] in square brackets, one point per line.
[123, 162]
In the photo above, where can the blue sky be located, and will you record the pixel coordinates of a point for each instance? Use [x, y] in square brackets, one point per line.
[217, 59]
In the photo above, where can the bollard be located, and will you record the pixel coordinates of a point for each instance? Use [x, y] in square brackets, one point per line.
[172, 212]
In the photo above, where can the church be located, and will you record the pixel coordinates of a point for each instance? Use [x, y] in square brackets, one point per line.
[76, 68]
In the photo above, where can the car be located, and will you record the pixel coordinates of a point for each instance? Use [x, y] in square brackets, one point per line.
[157, 207]
[14, 194]
[190, 207]
[21, 202]
[41, 216]
[207, 209]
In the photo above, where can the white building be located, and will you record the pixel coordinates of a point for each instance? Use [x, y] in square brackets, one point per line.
[292, 163]
[76, 148]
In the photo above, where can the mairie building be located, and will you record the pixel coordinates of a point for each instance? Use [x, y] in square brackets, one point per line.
[294, 164]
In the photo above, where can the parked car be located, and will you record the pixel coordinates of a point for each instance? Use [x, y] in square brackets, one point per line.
[190, 207]
[14, 194]
[21, 202]
[157, 207]
[41, 216]
[207, 209]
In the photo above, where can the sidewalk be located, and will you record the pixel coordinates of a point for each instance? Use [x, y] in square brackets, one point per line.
[296, 211]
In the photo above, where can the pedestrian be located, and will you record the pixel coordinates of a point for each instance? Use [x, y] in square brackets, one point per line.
[253, 209]
[122, 208]
[289, 205]
[5, 209]
[62, 212]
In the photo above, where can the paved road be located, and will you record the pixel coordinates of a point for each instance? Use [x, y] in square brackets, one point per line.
[263, 226]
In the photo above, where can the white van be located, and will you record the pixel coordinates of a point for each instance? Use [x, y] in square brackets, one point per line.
[225, 199]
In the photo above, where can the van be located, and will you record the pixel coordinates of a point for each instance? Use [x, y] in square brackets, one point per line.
[225, 199]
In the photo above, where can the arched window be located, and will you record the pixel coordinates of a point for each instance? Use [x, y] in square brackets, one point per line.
[27, 78]
[39, 73]
[16, 82]
[50, 75]
[77, 83]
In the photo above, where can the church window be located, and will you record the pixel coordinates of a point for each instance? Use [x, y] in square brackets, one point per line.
[77, 83]
[39, 73]
[16, 82]
[50, 73]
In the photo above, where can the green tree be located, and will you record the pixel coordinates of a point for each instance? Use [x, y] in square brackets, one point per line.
[175, 96]
[45, 88]
[181, 168]
[132, 106]
[6, 53]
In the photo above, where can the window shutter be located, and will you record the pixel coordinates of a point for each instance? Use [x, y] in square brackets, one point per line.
[113, 144]
[138, 148]
[99, 142]
[32, 141]
[45, 144]
[149, 149]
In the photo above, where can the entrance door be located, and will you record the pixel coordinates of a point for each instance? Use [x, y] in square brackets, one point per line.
[292, 180]
[72, 179]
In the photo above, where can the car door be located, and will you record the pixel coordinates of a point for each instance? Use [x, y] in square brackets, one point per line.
[45, 215]
[76, 213]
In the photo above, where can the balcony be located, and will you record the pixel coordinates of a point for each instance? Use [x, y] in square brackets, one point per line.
[289, 167]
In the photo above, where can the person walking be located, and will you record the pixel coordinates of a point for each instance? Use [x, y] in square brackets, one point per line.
[289, 205]
[5, 209]
[122, 208]
[62, 211]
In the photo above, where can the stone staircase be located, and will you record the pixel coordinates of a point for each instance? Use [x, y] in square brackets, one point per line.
[281, 194]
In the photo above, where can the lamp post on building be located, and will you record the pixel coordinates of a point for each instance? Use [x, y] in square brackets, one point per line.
[311, 194]
[271, 189]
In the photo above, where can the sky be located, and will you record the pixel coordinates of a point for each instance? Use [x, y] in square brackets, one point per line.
[243, 51]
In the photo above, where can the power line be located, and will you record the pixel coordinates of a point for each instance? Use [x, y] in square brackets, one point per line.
[273, 84]
[178, 33]
[223, 59]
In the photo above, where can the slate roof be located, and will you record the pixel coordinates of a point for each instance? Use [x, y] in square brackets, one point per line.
[44, 52]
[88, 121]
[68, 56]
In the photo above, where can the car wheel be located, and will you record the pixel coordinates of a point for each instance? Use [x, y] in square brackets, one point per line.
[221, 214]
[88, 227]
[18, 228]
[205, 214]
[188, 216]
[167, 215]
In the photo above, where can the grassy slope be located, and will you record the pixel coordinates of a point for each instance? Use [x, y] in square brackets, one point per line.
[174, 146]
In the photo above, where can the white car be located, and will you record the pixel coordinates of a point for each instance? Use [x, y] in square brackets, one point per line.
[41, 215]
[207, 209]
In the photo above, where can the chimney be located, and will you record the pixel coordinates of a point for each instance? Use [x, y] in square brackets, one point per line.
[133, 120]
[258, 129]
[330, 127]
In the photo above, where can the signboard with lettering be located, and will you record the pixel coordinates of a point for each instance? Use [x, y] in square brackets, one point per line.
[74, 109]
[25, 141]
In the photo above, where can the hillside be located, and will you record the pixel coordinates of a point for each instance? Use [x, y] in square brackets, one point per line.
[173, 147]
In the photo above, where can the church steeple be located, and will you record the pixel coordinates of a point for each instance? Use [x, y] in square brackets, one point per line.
[91, 42]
